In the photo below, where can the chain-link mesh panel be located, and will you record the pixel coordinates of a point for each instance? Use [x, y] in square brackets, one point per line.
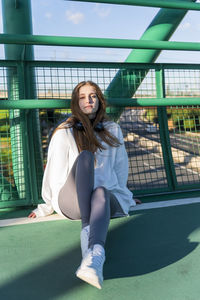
[59, 82]
[182, 83]
[11, 156]
[147, 87]
[3, 83]
[144, 132]
[142, 140]
[184, 128]
[7, 182]
[146, 163]
[184, 124]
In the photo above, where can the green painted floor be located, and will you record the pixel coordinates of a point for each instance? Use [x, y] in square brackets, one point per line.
[151, 255]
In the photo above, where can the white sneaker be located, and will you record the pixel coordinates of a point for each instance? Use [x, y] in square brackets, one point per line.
[85, 240]
[91, 268]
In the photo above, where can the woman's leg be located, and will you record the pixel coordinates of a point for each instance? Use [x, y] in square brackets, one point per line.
[103, 205]
[99, 216]
[75, 196]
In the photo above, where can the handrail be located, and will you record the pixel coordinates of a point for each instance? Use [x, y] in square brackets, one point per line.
[26, 39]
[116, 102]
[152, 3]
[94, 64]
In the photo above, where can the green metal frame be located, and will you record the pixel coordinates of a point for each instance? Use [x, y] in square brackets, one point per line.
[25, 39]
[18, 40]
[153, 3]
[17, 19]
[28, 105]
[164, 133]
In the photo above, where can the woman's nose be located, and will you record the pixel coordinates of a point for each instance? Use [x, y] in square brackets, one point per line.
[90, 99]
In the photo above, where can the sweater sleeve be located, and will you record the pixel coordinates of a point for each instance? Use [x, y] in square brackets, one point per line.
[121, 161]
[55, 173]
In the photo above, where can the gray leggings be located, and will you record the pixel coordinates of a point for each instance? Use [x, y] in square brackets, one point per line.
[79, 200]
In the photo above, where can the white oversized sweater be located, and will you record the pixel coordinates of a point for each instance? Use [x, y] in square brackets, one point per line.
[111, 169]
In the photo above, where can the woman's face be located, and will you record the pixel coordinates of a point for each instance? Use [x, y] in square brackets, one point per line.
[88, 100]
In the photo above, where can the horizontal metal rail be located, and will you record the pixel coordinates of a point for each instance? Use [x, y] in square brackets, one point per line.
[26, 39]
[116, 65]
[152, 3]
[131, 102]
[93, 64]
[35, 103]
[117, 102]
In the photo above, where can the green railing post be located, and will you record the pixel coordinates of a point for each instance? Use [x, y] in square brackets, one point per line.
[164, 133]
[17, 20]
[16, 117]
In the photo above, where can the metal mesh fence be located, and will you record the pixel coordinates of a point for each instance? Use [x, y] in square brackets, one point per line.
[185, 138]
[146, 164]
[146, 167]
[142, 127]
[143, 145]
[6, 174]
[182, 83]
[147, 87]
[12, 185]
[184, 124]
[3, 83]
[59, 82]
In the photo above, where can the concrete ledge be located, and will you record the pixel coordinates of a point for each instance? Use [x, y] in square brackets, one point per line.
[19, 221]
[144, 206]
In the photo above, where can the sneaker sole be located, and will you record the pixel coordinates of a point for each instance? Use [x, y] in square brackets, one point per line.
[89, 278]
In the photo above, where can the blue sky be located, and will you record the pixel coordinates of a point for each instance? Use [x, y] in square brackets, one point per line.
[68, 18]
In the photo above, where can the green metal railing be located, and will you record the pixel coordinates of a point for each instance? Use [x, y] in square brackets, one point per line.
[156, 105]
[160, 123]
[153, 3]
[25, 39]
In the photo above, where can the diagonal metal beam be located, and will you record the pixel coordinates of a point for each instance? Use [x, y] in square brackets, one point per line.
[182, 4]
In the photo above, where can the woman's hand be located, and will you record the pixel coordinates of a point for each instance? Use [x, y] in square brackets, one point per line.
[32, 215]
[137, 201]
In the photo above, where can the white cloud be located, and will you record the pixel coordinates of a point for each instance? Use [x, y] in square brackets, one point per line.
[101, 11]
[48, 15]
[185, 26]
[74, 17]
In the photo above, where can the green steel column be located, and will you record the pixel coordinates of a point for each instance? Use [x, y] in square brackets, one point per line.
[161, 29]
[164, 133]
[24, 126]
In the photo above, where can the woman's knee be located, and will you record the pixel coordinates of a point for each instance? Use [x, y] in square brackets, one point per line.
[100, 190]
[100, 193]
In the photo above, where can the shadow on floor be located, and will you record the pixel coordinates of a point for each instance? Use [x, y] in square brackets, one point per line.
[151, 241]
[49, 281]
[137, 245]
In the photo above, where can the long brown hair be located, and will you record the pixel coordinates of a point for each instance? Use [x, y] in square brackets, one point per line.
[86, 138]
